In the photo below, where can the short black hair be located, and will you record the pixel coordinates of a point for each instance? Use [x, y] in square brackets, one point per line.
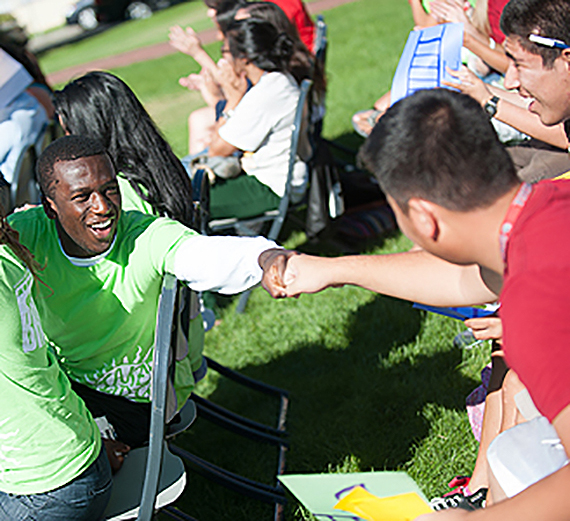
[439, 145]
[549, 18]
[66, 148]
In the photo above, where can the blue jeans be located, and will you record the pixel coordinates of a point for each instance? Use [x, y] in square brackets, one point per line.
[83, 499]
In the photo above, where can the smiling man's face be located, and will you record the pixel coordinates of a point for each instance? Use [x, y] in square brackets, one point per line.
[548, 87]
[86, 204]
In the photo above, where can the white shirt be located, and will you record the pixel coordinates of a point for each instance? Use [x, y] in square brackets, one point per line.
[261, 126]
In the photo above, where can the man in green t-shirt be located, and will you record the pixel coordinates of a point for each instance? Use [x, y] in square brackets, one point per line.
[103, 276]
[50, 450]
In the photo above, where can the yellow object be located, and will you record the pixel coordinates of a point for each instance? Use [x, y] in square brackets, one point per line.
[403, 507]
[566, 175]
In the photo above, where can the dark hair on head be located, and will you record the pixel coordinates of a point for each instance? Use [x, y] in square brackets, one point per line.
[439, 145]
[66, 148]
[226, 11]
[260, 43]
[303, 64]
[101, 106]
[549, 18]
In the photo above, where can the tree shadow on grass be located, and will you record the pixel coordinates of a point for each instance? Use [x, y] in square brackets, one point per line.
[363, 402]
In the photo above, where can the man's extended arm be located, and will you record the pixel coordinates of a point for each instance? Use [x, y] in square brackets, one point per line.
[416, 276]
[224, 264]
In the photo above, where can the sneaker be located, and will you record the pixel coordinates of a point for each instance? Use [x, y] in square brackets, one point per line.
[458, 500]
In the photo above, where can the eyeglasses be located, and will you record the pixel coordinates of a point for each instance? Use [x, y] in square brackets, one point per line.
[224, 50]
[548, 42]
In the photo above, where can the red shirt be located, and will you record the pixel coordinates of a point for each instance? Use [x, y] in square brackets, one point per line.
[494, 11]
[535, 300]
[297, 13]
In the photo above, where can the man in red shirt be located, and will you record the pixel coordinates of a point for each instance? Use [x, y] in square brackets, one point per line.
[483, 234]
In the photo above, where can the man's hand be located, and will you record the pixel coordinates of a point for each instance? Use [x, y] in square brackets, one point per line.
[307, 274]
[274, 262]
[116, 451]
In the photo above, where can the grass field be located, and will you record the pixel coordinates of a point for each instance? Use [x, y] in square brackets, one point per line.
[374, 383]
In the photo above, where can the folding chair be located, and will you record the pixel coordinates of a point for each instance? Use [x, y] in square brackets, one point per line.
[243, 426]
[152, 477]
[251, 226]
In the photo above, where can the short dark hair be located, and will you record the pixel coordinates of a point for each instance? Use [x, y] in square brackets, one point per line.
[439, 145]
[549, 18]
[66, 148]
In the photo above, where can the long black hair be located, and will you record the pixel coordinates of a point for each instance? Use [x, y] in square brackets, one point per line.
[101, 106]
[260, 43]
[303, 63]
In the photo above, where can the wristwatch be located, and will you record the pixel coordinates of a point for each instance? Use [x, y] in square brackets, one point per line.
[491, 106]
[227, 114]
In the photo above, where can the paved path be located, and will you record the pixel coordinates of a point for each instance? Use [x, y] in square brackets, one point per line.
[158, 50]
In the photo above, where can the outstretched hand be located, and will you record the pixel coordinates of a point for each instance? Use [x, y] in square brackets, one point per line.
[288, 273]
[185, 40]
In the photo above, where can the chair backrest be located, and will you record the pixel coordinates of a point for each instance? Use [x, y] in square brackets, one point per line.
[295, 137]
[24, 187]
[161, 473]
[321, 40]
[160, 375]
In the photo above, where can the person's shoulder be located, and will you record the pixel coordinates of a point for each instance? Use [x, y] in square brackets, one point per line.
[32, 219]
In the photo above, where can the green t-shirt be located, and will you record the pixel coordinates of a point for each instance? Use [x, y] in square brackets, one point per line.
[101, 315]
[47, 436]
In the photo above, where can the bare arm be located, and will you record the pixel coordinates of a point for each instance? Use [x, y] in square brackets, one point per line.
[234, 88]
[187, 41]
[416, 276]
[495, 58]
[511, 109]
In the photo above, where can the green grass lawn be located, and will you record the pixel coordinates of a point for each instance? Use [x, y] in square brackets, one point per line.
[374, 383]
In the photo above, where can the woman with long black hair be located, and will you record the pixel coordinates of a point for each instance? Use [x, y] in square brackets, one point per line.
[151, 178]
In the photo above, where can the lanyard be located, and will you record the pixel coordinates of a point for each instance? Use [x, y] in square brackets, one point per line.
[513, 214]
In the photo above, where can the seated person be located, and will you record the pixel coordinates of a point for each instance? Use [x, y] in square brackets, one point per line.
[104, 276]
[23, 118]
[480, 37]
[52, 464]
[201, 122]
[257, 122]
[545, 155]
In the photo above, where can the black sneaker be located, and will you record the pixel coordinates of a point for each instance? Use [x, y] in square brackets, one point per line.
[458, 500]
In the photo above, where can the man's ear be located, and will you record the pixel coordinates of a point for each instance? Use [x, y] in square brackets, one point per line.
[424, 217]
[49, 207]
[565, 55]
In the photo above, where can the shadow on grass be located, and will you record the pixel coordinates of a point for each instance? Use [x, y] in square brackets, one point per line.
[363, 403]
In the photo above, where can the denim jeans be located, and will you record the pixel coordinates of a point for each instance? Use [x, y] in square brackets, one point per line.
[83, 499]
